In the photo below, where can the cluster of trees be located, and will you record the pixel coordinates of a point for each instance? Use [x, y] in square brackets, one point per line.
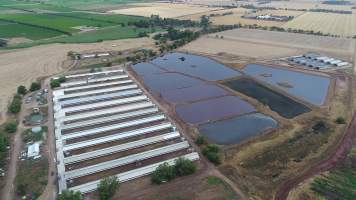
[211, 152]
[348, 12]
[220, 14]
[166, 172]
[8, 128]
[15, 106]
[178, 38]
[11, 126]
[4, 142]
[138, 56]
[156, 21]
[21, 90]
[57, 82]
[107, 188]
[35, 86]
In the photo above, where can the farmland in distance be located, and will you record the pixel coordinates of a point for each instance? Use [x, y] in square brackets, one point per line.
[336, 24]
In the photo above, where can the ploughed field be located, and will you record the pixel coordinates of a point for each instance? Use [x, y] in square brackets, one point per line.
[190, 84]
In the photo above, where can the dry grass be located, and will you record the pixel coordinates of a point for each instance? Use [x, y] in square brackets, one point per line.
[336, 24]
[165, 10]
[22, 66]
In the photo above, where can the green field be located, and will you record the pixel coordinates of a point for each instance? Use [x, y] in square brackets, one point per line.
[339, 184]
[64, 5]
[10, 30]
[108, 18]
[110, 33]
[57, 21]
[36, 6]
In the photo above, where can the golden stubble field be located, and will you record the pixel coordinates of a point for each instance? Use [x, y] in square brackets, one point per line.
[23, 66]
[336, 24]
[304, 5]
[260, 44]
[237, 13]
[165, 10]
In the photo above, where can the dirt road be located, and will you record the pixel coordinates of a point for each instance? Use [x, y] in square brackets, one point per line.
[9, 188]
[50, 192]
[338, 156]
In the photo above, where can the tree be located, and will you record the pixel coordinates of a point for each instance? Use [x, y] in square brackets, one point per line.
[340, 120]
[3, 142]
[55, 83]
[184, 167]
[211, 152]
[15, 106]
[107, 187]
[163, 173]
[11, 127]
[200, 140]
[70, 195]
[35, 86]
[204, 21]
[21, 90]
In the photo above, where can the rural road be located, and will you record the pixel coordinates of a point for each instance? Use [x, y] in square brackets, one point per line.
[338, 156]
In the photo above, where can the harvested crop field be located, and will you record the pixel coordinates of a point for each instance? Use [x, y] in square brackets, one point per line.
[267, 44]
[304, 5]
[22, 66]
[165, 10]
[234, 16]
[327, 23]
[212, 45]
